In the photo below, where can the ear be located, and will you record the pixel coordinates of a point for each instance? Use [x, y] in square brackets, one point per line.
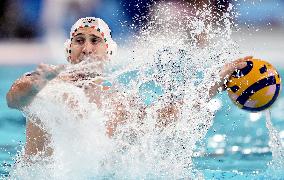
[67, 46]
[69, 59]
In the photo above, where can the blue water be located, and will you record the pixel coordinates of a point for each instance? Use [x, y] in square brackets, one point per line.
[242, 153]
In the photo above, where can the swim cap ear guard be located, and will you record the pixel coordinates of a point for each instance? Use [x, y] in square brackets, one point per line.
[97, 24]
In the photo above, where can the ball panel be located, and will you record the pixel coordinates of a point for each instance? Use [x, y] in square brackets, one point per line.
[254, 87]
[266, 105]
[262, 96]
[242, 72]
[245, 95]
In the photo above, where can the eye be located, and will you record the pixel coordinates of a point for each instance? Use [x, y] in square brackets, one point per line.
[79, 40]
[96, 40]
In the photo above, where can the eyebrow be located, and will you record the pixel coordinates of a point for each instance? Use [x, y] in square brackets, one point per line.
[78, 34]
[90, 35]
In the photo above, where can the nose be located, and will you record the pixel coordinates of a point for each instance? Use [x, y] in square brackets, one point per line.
[87, 49]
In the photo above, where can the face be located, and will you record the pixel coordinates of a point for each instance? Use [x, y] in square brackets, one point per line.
[87, 42]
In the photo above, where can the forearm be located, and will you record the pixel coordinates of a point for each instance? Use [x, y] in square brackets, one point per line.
[216, 88]
[24, 90]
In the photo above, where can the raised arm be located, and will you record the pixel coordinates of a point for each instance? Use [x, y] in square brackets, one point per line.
[25, 88]
[170, 112]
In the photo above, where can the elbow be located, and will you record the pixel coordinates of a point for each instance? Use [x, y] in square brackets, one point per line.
[11, 100]
[18, 95]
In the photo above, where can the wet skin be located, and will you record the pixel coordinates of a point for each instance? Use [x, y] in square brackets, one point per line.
[87, 42]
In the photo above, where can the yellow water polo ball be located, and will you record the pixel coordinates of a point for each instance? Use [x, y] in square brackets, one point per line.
[255, 87]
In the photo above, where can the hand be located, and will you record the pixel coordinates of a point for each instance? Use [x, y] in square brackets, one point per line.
[229, 68]
[25, 88]
[225, 73]
[42, 75]
[48, 71]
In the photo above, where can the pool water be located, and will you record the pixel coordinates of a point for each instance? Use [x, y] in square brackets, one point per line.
[235, 147]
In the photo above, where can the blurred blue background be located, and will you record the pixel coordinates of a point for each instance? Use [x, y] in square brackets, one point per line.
[33, 31]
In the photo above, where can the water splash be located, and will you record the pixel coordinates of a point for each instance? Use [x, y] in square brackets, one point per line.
[275, 144]
[179, 51]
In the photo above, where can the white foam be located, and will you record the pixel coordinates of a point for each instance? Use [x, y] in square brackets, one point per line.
[185, 65]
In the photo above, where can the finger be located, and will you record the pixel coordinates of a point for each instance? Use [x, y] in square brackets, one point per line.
[238, 61]
[248, 57]
[235, 66]
[227, 71]
[241, 65]
[243, 59]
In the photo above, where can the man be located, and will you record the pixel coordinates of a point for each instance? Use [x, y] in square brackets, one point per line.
[90, 38]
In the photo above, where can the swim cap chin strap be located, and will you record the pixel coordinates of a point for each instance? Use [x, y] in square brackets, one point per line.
[97, 24]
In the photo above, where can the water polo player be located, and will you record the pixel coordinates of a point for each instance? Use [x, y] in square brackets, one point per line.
[90, 39]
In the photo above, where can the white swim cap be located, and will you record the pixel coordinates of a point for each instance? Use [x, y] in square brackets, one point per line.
[97, 24]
